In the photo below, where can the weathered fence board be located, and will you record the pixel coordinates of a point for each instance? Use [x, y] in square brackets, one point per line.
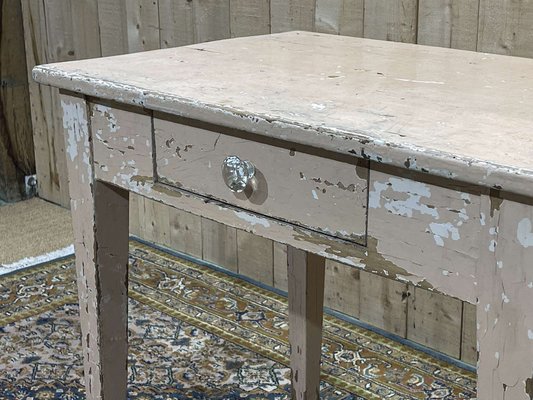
[448, 23]
[16, 142]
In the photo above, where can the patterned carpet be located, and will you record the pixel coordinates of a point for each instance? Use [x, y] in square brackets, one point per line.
[196, 333]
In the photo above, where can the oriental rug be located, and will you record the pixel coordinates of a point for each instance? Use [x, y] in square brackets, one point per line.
[198, 333]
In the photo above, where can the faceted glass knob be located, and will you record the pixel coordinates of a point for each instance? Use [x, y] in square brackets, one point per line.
[237, 173]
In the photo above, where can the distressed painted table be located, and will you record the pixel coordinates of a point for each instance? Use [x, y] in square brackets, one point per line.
[409, 161]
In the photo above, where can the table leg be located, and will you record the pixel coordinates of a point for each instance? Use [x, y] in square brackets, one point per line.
[505, 302]
[306, 300]
[100, 222]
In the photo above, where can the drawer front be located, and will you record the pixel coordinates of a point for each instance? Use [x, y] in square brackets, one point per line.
[293, 184]
[122, 144]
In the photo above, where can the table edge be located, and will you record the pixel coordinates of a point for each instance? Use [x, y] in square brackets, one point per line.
[355, 143]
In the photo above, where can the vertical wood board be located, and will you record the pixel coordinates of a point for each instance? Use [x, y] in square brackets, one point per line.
[394, 20]
[341, 17]
[249, 17]
[448, 23]
[290, 15]
[506, 27]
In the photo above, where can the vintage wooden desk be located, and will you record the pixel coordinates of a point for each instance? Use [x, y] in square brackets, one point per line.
[409, 161]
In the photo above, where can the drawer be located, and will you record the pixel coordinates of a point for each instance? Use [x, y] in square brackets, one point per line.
[300, 185]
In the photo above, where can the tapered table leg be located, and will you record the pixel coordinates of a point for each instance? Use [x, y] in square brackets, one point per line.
[306, 300]
[100, 221]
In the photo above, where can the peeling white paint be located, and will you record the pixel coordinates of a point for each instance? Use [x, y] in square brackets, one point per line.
[530, 334]
[444, 231]
[315, 196]
[75, 124]
[499, 264]
[415, 192]
[524, 233]
[492, 245]
[252, 219]
[505, 298]
[482, 220]
[463, 215]
[112, 120]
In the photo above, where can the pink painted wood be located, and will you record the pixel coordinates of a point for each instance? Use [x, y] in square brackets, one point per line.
[100, 220]
[449, 178]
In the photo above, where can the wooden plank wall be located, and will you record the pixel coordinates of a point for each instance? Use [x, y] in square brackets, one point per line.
[16, 140]
[57, 30]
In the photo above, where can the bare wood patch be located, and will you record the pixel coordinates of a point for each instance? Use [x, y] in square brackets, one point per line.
[435, 320]
[249, 17]
[443, 226]
[255, 257]
[219, 244]
[394, 20]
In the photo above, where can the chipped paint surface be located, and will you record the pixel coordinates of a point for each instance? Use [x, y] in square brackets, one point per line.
[252, 219]
[524, 233]
[505, 319]
[323, 194]
[122, 145]
[428, 231]
[101, 270]
[75, 125]
[414, 190]
[444, 231]
[473, 247]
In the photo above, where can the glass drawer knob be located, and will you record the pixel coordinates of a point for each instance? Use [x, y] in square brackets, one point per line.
[237, 173]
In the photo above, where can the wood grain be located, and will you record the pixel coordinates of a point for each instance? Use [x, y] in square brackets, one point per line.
[142, 25]
[448, 23]
[50, 36]
[394, 20]
[211, 20]
[176, 23]
[155, 221]
[435, 319]
[280, 266]
[219, 244]
[341, 17]
[468, 335]
[342, 288]
[17, 157]
[249, 17]
[383, 303]
[185, 232]
[135, 223]
[112, 20]
[506, 27]
[289, 15]
[306, 295]
[255, 257]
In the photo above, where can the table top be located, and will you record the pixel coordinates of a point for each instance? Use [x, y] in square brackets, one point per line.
[457, 114]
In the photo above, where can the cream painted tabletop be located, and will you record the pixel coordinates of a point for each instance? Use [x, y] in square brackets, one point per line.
[455, 114]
